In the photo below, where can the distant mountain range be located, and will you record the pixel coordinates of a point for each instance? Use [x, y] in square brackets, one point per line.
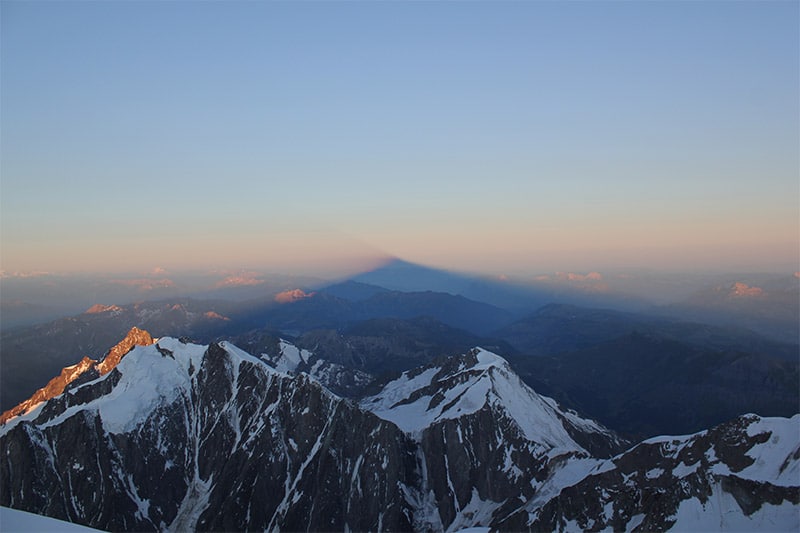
[37, 298]
[324, 309]
[721, 371]
[559, 328]
[166, 435]
[770, 306]
[768, 303]
[642, 385]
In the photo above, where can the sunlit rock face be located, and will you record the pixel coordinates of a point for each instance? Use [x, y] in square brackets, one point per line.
[56, 386]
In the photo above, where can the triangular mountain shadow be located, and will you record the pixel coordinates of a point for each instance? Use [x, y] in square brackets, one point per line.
[400, 275]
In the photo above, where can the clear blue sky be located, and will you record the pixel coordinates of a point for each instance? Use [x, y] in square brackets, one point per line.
[496, 136]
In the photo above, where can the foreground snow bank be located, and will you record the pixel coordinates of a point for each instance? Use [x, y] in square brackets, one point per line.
[12, 520]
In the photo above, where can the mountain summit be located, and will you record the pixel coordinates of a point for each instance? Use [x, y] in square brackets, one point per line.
[476, 381]
[56, 386]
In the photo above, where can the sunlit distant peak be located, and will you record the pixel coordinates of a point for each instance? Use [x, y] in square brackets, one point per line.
[241, 280]
[741, 290]
[293, 295]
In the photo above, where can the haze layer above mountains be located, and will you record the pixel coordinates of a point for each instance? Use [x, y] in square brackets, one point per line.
[729, 346]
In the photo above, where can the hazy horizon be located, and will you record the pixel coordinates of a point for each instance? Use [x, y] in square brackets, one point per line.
[496, 138]
[342, 268]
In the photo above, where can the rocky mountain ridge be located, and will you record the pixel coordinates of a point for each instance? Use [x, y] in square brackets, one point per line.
[742, 475]
[177, 436]
[56, 386]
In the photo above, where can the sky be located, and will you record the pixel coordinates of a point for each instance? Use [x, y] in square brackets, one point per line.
[484, 136]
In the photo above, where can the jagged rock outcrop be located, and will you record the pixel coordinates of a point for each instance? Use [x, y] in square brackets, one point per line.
[53, 388]
[56, 386]
[135, 337]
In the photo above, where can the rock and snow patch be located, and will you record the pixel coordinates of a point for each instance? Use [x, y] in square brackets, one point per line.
[290, 357]
[777, 460]
[474, 515]
[721, 512]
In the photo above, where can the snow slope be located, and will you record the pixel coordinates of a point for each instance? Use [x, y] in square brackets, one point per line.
[420, 398]
[13, 520]
[738, 476]
[721, 512]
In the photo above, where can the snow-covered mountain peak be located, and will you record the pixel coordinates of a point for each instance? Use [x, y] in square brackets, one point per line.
[148, 376]
[86, 367]
[480, 359]
[475, 361]
[472, 382]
